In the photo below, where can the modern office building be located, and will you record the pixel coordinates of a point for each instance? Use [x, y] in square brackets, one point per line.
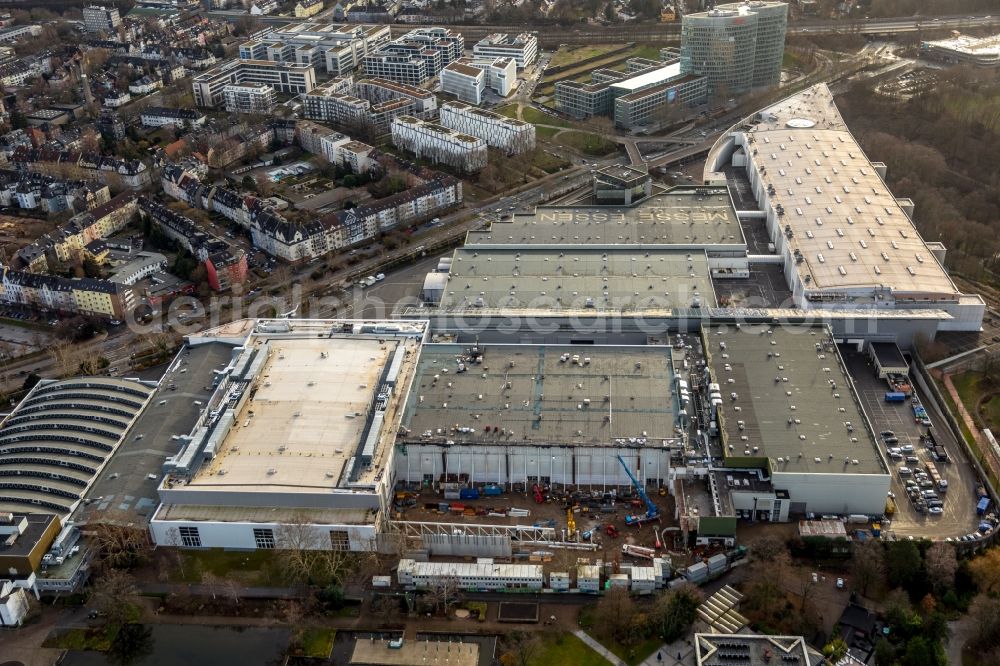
[249, 98]
[209, 87]
[467, 78]
[523, 48]
[507, 134]
[844, 240]
[335, 49]
[975, 51]
[736, 46]
[368, 104]
[649, 89]
[101, 19]
[416, 57]
[439, 144]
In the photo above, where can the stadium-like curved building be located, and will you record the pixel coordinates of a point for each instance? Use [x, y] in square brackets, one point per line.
[58, 438]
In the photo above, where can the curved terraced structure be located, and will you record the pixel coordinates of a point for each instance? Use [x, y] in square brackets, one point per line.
[56, 441]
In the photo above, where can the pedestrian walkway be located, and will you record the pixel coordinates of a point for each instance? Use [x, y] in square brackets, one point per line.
[598, 648]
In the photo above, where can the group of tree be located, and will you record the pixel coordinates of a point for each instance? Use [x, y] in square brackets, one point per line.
[619, 617]
[940, 148]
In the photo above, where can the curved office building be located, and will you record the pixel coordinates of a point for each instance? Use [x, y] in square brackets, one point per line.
[737, 46]
[56, 441]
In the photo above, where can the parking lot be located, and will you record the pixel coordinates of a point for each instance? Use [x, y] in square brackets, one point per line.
[959, 516]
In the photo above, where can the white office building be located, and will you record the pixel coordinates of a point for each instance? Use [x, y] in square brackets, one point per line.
[523, 48]
[101, 19]
[439, 144]
[508, 134]
[336, 49]
[209, 86]
[249, 98]
[467, 79]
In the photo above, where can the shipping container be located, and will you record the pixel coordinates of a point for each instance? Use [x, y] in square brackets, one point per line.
[468, 494]
[983, 506]
[492, 491]
[895, 396]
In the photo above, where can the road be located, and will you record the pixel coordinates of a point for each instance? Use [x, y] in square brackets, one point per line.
[553, 36]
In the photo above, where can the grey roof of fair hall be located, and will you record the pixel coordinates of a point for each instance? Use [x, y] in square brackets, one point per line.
[617, 279]
[793, 398]
[683, 217]
[537, 394]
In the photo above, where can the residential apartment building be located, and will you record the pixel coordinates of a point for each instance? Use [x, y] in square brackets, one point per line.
[101, 19]
[507, 134]
[161, 116]
[19, 32]
[736, 46]
[307, 8]
[439, 144]
[247, 98]
[523, 48]
[209, 87]
[87, 296]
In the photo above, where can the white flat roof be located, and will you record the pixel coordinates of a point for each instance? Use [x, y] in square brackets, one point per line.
[305, 417]
[650, 78]
[850, 229]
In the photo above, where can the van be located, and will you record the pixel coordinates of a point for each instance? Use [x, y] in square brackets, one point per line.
[905, 471]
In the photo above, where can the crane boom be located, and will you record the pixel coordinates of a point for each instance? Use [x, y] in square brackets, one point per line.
[651, 510]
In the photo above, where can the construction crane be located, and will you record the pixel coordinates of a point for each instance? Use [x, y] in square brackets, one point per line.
[652, 513]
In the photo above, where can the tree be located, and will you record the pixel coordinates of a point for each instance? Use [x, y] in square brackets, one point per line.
[941, 564]
[903, 563]
[121, 540]
[519, 648]
[835, 650]
[867, 565]
[984, 616]
[30, 381]
[615, 611]
[131, 644]
[985, 570]
[677, 611]
[885, 654]
[307, 554]
[115, 596]
[444, 595]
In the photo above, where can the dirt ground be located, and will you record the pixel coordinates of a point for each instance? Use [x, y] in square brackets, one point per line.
[554, 509]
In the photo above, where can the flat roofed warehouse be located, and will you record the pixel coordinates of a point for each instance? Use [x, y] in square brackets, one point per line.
[304, 419]
[684, 217]
[60, 436]
[846, 241]
[794, 400]
[592, 395]
[578, 278]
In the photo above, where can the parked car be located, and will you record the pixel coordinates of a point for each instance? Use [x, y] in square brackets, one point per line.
[905, 471]
[906, 448]
[840, 583]
[935, 511]
[887, 433]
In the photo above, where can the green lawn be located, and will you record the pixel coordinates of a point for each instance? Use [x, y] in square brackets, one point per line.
[571, 55]
[648, 51]
[250, 568]
[509, 111]
[20, 323]
[317, 643]
[532, 115]
[547, 163]
[971, 387]
[635, 654]
[563, 648]
[546, 132]
[80, 639]
[588, 144]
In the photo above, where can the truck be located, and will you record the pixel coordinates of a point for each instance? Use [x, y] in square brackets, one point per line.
[932, 472]
[895, 396]
[983, 506]
[638, 551]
